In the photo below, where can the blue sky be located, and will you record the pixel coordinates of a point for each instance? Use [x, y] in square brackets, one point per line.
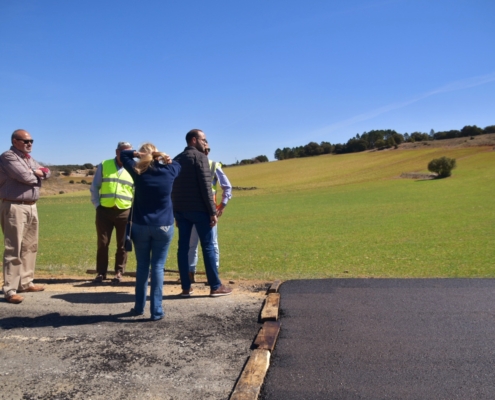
[254, 75]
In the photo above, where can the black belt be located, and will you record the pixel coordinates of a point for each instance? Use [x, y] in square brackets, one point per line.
[28, 203]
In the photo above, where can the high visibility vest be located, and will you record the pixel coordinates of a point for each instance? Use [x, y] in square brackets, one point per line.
[214, 180]
[116, 190]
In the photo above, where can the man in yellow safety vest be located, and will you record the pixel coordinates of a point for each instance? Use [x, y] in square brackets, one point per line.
[111, 194]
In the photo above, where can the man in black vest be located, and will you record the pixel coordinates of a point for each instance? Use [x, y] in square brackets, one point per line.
[192, 198]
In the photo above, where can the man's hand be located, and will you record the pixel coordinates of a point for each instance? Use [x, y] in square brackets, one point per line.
[220, 209]
[213, 220]
[39, 173]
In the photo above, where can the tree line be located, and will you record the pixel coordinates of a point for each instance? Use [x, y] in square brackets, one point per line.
[376, 139]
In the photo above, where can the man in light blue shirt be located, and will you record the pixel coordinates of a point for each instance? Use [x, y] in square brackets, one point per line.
[220, 178]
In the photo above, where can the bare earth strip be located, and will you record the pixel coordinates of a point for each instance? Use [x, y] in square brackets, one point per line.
[76, 340]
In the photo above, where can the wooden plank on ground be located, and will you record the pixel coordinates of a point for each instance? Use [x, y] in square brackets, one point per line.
[270, 309]
[248, 386]
[274, 287]
[267, 336]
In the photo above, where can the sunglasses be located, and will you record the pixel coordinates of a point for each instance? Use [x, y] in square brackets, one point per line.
[26, 141]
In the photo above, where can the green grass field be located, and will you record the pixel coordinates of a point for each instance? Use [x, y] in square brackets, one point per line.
[328, 216]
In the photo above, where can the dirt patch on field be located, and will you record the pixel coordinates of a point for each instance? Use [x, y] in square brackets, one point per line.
[78, 340]
[61, 184]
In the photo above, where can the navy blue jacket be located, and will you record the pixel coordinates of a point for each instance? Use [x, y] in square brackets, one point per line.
[152, 190]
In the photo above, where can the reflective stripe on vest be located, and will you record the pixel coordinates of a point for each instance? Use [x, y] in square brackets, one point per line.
[116, 190]
[213, 169]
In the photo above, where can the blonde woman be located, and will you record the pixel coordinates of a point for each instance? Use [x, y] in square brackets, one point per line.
[152, 221]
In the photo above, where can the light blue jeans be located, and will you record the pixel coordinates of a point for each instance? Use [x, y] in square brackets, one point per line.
[151, 245]
[185, 222]
[192, 256]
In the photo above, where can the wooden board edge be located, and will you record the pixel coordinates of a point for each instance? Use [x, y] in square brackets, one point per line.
[249, 385]
[275, 286]
[271, 307]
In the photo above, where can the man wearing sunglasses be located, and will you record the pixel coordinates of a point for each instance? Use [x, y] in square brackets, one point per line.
[20, 183]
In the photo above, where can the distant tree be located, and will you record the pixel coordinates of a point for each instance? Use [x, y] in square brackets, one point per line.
[88, 166]
[380, 144]
[312, 149]
[469, 130]
[391, 142]
[91, 172]
[279, 155]
[261, 158]
[339, 148]
[447, 134]
[442, 166]
[489, 129]
[327, 147]
[288, 153]
[356, 145]
[419, 136]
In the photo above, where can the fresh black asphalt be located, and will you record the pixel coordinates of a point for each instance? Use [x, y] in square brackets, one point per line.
[384, 339]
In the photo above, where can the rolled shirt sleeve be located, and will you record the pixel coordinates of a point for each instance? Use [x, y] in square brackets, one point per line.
[225, 185]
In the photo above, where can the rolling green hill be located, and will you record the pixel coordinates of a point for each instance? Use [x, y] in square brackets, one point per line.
[351, 215]
[328, 216]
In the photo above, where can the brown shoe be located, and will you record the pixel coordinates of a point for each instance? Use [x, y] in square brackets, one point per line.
[191, 277]
[32, 288]
[221, 291]
[117, 279]
[14, 299]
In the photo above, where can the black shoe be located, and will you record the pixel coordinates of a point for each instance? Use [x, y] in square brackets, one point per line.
[99, 278]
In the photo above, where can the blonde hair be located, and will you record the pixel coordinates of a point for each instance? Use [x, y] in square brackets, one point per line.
[151, 154]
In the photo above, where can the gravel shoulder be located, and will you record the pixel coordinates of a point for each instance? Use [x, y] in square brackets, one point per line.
[77, 340]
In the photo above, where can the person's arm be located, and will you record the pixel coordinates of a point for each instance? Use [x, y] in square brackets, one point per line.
[96, 185]
[226, 190]
[39, 170]
[127, 159]
[18, 170]
[204, 179]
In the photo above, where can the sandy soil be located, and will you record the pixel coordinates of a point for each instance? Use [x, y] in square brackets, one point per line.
[77, 340]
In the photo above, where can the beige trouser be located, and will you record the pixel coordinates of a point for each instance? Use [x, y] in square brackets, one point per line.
[20, 230]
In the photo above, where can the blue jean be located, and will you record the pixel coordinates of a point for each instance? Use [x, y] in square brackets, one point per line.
[185, 222]
[192, 256]
[151, 245]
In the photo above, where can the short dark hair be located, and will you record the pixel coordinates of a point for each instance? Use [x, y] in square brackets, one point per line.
[193, 133]
[14, 134]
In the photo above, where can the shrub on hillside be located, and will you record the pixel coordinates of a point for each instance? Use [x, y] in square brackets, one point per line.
[443, 166]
